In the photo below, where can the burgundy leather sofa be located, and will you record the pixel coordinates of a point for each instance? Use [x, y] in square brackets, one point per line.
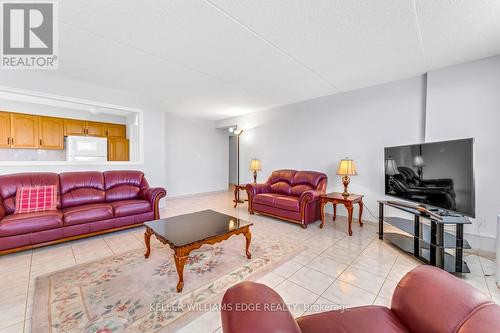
[426, 300]
[88, 203]
[289, 195]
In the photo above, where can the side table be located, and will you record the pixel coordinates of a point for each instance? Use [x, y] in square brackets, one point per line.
[237, 189]
[337, 198]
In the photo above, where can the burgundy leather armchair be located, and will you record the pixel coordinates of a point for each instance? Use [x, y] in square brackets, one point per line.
[88, 203]
[426, 300]
[290, 195]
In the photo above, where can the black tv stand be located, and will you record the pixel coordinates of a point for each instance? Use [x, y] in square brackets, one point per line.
[428, 242]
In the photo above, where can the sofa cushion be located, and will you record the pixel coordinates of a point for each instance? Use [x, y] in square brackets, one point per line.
[312, 178]
[130, 207]
[371, 318]
[81, 188]
[267, 199]
[281, 187]
[10, 183]
[288, 203]
[280, 181]
[87, 213]
[297, 190]
[123, 185]
[17, 224]
[416, 291]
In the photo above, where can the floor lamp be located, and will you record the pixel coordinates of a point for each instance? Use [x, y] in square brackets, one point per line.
[238, 132]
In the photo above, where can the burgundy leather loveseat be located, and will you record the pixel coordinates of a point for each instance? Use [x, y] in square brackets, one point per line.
[426, 300]
[88, 203]
[290, 195]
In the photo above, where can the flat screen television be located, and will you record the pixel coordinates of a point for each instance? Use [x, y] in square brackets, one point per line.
[436, 175]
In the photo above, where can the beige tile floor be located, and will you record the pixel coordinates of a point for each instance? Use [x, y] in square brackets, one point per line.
[334, 269]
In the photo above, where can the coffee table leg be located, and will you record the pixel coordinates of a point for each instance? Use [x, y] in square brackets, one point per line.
[349, 218]
[334, 211]
[180, 261]
[248, 237]
[147, 240]
[360, 212]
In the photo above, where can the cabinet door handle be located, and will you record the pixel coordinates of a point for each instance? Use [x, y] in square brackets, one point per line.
[12, 140]
[8, 140]
[40, 142]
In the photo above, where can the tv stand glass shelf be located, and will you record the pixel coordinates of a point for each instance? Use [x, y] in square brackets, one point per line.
[424, 236]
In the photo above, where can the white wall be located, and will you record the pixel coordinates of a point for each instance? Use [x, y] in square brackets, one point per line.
[196, 155]
[464, 101]
[154, 120]
[233, 158]
[316, 134]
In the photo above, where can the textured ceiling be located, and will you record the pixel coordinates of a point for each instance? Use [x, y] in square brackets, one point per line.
[220, 58]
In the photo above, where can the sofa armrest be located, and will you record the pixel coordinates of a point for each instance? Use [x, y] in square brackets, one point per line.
[254, 189]
[153, 195]
[250, 307]
[2, 209]
[310, 195]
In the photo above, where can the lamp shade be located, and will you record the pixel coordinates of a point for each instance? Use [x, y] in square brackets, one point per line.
[391, 167]
[255, 165]
[346, 168]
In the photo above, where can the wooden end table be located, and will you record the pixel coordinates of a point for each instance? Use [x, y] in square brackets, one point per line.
[185, 233]
[337, 198]
[237, 189]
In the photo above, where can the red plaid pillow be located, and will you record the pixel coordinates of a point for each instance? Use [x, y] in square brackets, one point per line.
[36, 199]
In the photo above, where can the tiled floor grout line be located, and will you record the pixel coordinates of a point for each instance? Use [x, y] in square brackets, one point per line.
[337, 277]
[27, 292]
[385, 280]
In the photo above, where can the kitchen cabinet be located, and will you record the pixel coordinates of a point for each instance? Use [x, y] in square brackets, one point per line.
[4, 129]
[23, 131]
[115, 130]
[74, 127]
[18, 130]
[82, 127]
[95, 128]
[118, 149]
[51, 133]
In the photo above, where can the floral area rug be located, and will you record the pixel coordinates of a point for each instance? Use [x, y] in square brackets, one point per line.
[130, 293]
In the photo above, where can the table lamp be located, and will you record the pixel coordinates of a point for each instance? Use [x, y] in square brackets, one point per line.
[255, 166]
[346, 168]
[391, 169]
[418, 161]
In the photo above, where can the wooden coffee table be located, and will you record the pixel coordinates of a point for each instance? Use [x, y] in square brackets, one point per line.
[337, 198]
[185, 233]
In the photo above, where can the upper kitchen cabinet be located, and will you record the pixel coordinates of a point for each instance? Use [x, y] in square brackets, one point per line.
[74, 127]
[95, 128]
[115, 130]
[4, 129]
[51, 133]
[82, 127]
[24, 130]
